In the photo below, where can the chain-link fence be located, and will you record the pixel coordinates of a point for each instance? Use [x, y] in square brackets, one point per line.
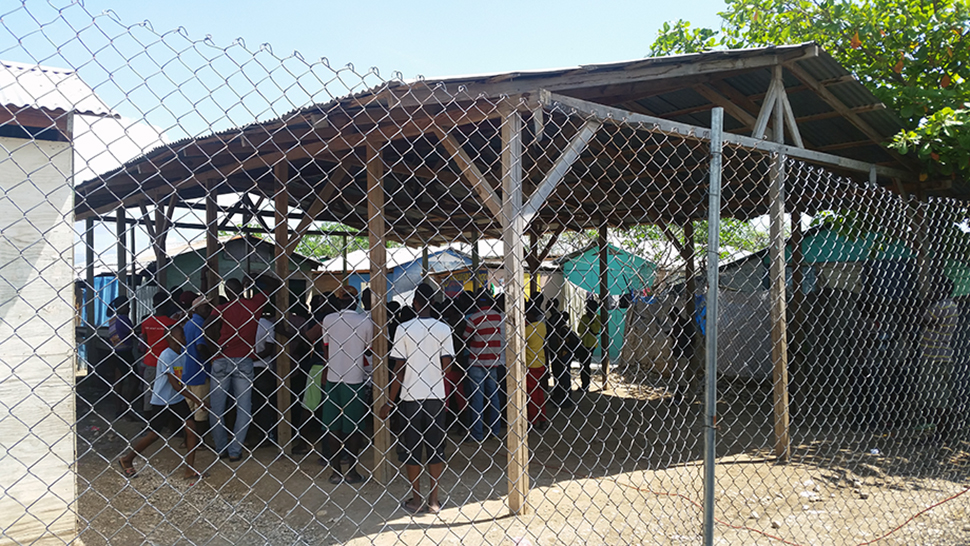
[310, 305]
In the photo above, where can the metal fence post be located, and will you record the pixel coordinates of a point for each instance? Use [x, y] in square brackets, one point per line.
[710, 371]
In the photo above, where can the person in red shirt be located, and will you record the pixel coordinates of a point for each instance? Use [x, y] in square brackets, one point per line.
[154, 333]
[232, 367]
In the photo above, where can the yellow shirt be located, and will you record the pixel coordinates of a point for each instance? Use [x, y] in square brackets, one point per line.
[535, 338]
[589, 329]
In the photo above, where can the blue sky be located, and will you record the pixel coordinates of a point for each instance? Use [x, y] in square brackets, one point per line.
[431, 38]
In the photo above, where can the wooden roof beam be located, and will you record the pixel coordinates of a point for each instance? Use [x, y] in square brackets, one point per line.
[822, 91]
[471, 175]
[555, 175]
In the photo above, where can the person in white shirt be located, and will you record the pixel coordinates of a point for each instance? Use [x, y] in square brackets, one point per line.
[347, 335]
[264, 381]
[424, 350]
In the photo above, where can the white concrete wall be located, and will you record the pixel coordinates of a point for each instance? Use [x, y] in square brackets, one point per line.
[37, 443]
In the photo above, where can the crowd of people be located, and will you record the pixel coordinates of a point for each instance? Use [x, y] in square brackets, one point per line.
[208, 368]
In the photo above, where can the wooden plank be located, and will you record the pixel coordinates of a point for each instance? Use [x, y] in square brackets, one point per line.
[158, 244]
[281, 201]
[266, 156]
[378, 286]
[767, 107]
[558, 171]
[471, 175]
[779, 333]
[790, 122]
[734, 110]
[513, 234]
[689, 255]
[602, 242]
[320, 201]
[211, 240]
[617, 116]
[121, 250]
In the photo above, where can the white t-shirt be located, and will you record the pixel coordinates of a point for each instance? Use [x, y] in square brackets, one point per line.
[264, 335]
[347, 334]
[421, 343]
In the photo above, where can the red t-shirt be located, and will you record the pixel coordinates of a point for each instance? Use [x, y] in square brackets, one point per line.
[240, 318]
[155, 328]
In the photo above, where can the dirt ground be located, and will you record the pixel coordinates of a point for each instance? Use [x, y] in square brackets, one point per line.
[623, 467]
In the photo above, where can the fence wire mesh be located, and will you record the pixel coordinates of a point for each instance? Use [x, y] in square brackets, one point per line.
[254, 299]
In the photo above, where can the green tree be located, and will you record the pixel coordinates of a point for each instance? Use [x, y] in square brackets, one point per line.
[914, 55]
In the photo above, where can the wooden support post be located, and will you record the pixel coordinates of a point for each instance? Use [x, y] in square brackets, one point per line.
[513, 233]
[689, 256]
[604, 268]
[424, 261]
[796, 313]
[779, 331]
[158, 244]
[533, 264]
[90, 325]
[134, 264]
[284, 432]
[378, 286]
[121, 225]
[211, 242]
[476, 260]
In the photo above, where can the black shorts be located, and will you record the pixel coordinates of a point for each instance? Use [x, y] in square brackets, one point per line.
[424, 430]
[171, 417]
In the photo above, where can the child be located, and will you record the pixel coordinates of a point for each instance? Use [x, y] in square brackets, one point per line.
[170, 407]
[535, 358]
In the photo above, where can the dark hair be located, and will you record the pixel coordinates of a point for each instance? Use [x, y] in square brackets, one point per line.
[423, 294]
[160, 301]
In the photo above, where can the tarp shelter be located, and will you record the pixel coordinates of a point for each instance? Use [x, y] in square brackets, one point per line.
[625, 272]
[405, 268]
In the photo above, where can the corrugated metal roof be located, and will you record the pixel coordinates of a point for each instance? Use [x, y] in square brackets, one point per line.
[45, 88]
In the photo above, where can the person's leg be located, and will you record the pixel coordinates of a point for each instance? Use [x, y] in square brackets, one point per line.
[495, 401]
[191, 442]
[586, 372]
[355, 412]
[333, 427]
[149, 377]
[532, 386]
[242, 387]
[415, 503]
[219, 385]
[476, 376]
[433, 415]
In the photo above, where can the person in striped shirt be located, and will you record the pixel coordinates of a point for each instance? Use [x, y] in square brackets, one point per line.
[485, 337]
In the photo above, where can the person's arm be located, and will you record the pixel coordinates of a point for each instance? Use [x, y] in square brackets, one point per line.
[393, 391]
[446, 362]
[180, 388]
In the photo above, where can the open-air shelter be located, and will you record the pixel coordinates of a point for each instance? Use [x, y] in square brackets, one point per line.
[524, 154]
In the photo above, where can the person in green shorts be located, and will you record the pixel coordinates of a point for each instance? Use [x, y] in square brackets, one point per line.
[347, 335]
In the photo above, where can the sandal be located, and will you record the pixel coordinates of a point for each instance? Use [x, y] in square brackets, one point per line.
[128, 471]
[437, 510]
[354, 479]
[335, 479]
[405, 504]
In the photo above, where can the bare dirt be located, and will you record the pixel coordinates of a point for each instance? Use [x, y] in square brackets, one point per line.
[623, 467]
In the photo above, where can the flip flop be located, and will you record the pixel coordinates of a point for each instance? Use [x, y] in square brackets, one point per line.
[357, 478]
[407, 508]
[128, 471]
[437, 511]
[335, 479]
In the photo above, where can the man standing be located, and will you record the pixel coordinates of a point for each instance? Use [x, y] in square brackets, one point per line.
[485, 333]
[424, 349]
[154, 332]
[232, 369]
[590, 327]
[347, 335]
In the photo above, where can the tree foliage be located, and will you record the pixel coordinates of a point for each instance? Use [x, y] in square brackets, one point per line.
[914, 55]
